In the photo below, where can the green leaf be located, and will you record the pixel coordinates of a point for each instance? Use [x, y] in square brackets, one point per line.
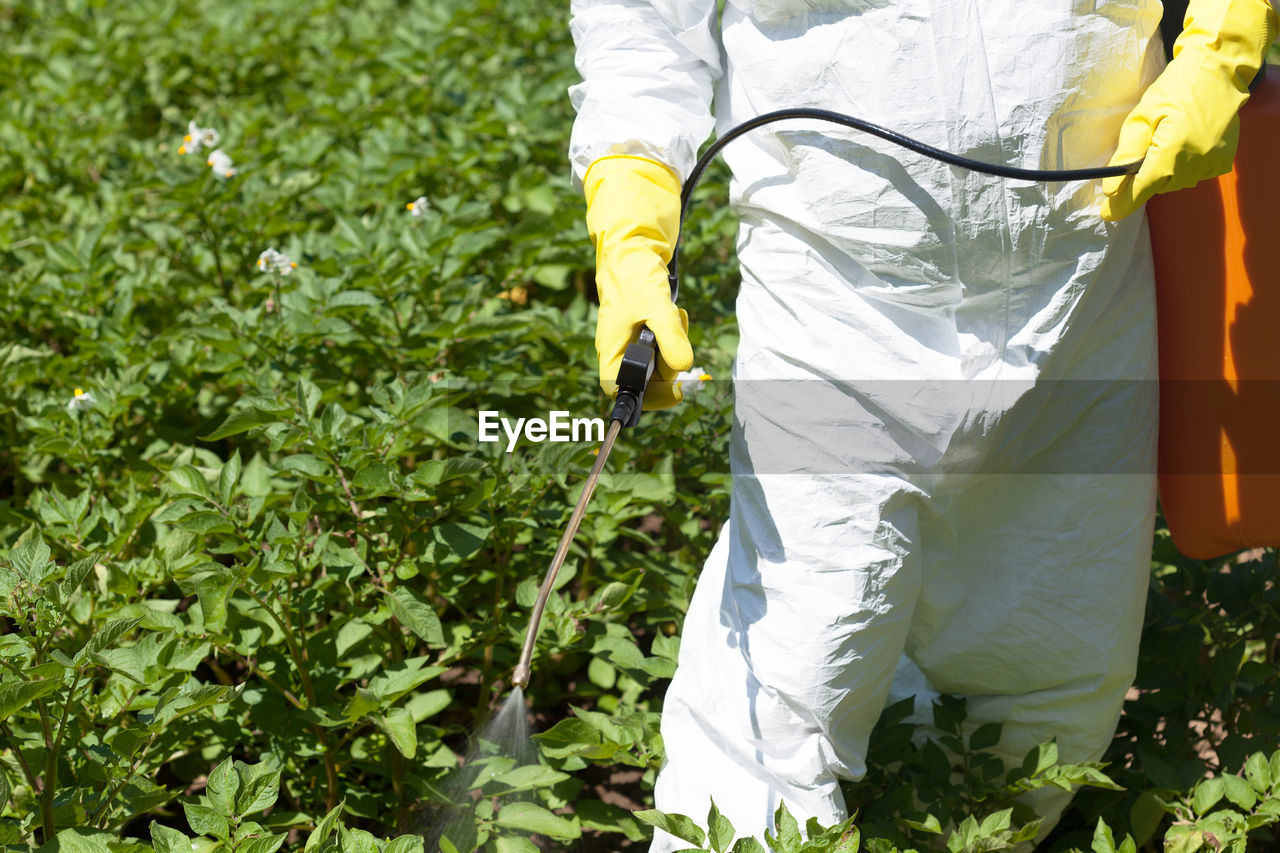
[351, 634]
[190, 481]
[194, 697]
[228, 477]
[17, 696]
[365, 701]
[80, 840]
[106, 636]
[308, 394]
[463, 540]
[259, 787]
[1207, 794]
[242, 421]
[1145, 816]
[4, 791]
[850, 841]
[567, 737]
[305, 463]
[166, 839]
[1239, 792]
[205, 821]
[267, 844]
[324, 828]
[529, 817]
[1040, 758]
[400, 728]
[995, 823]
[412, 844]
[514, 844]
[76, 573]
[399, 679]
[129, 662]
[357, 841]
[352, 299]
[1258, 771]
[719, 830]
[415, 615]
[748, 845]
[929, 824]
[205, 522]
[221, 787]
[985, 736]
[594, 814]
[376, 477]
[30, 559]
[353, 230]
[214, 590]
[675, 824]
[529, 777]
[427, 704]
[787, 827]
[1184, 841]
[1103, 840]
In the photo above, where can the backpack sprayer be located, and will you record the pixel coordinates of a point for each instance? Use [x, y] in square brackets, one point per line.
[640, 358]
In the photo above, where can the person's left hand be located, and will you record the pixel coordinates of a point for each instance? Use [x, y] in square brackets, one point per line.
[1185, 127]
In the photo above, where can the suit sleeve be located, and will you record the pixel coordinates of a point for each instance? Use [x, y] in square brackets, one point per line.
[648, 70]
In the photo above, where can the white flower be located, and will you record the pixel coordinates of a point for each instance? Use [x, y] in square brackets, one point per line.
[81, 401]
[276, 262]
[691, 380]
[198, 137]
[221, 164]
[418, 206]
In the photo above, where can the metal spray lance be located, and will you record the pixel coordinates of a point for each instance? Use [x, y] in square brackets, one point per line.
[633, 377]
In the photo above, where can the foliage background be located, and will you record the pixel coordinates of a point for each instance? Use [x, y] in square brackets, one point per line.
[261, 590]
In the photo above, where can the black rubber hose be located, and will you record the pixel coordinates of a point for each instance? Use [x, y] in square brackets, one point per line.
[1043, 175]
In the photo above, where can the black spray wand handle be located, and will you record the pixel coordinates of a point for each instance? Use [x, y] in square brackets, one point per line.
[638, 363]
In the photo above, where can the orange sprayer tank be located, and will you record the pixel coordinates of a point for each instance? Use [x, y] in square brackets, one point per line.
[1217, 262]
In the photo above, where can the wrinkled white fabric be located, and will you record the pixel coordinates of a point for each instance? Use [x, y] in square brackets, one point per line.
[944, 445]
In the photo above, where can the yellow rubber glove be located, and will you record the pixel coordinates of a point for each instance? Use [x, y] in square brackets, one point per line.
[633, 215]
[1185, 125]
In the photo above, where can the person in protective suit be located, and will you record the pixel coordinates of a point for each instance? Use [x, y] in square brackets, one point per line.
[943, 454]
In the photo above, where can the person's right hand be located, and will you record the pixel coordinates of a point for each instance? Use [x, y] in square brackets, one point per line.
[633, 216]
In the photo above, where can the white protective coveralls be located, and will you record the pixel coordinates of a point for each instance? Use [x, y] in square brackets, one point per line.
[944, 439]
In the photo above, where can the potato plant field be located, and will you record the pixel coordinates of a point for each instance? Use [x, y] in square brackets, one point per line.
[262, 267]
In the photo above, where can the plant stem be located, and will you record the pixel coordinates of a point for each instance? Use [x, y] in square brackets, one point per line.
[304, 674]
[396, 653]
[270, 682]
[102, 807]
[50, 774]
[397, 786]
[294, 651]
[486, 677]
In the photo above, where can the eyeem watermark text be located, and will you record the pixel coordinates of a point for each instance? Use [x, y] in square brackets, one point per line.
[558, 427]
